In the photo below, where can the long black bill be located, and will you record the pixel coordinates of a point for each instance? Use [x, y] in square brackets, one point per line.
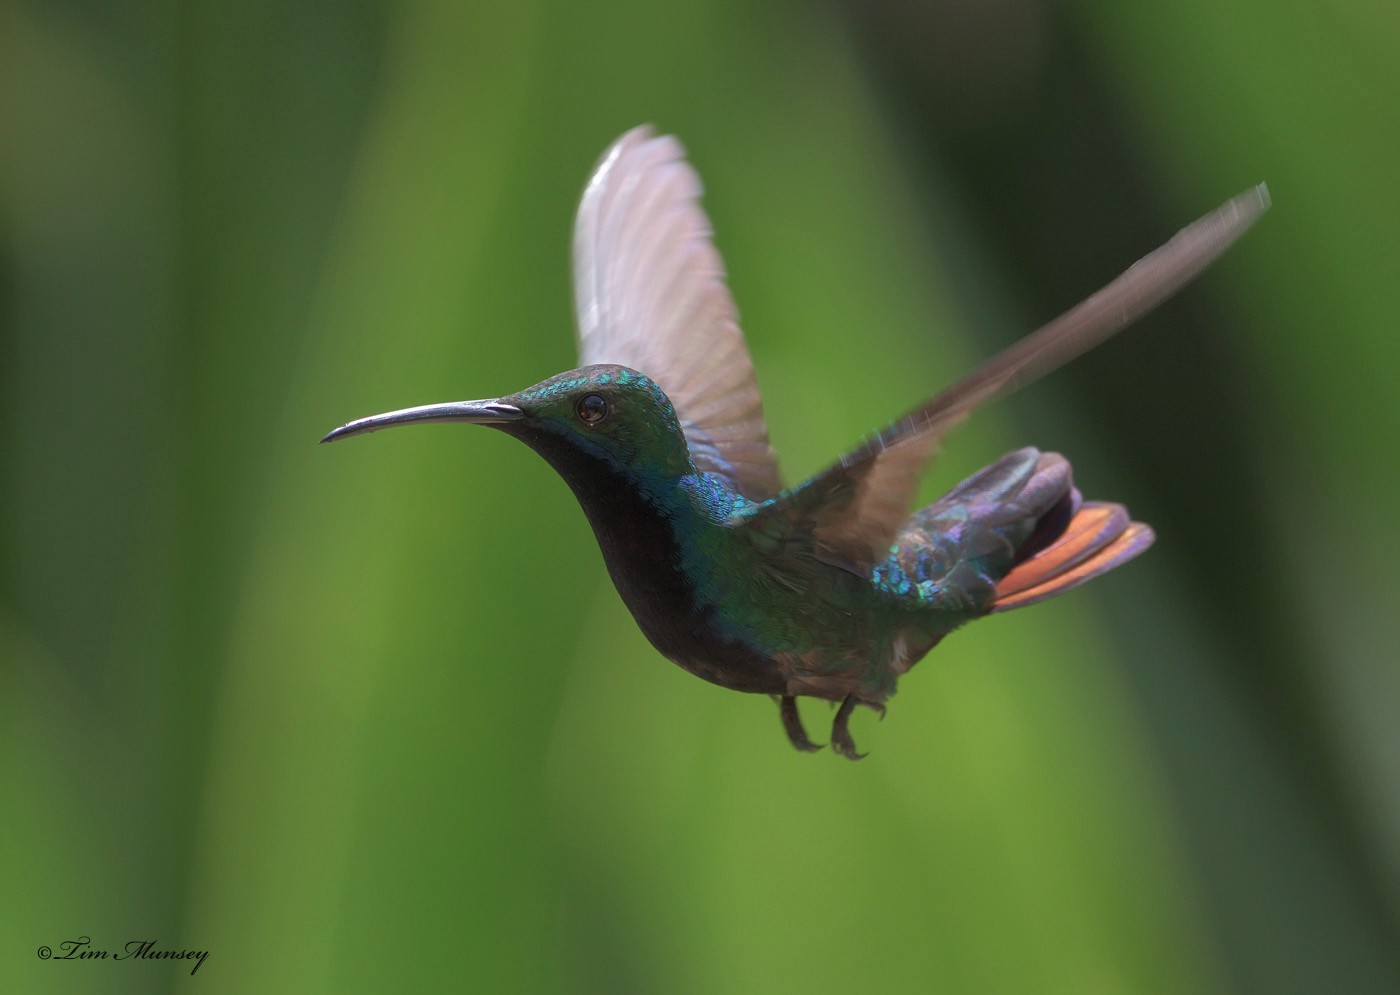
[475, 412]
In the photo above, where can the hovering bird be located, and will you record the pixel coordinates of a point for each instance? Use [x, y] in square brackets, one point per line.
[830, 589]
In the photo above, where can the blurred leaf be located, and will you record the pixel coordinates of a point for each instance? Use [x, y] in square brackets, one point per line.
[370, 716]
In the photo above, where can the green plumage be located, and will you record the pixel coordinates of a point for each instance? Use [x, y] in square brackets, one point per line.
[834, 588]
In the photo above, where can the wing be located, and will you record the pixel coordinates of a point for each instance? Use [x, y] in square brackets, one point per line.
[650, 294]
[853, 510]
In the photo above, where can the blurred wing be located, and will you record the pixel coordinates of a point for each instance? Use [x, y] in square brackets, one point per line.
[650, 294]
[855, 508]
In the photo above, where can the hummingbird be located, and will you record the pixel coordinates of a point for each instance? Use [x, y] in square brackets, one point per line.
[831, 589]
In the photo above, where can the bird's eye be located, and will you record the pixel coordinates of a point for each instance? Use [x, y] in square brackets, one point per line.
[592, 409]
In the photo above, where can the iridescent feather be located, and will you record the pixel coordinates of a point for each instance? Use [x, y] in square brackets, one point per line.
[836, 587]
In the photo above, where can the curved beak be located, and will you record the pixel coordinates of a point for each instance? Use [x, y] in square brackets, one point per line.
[474, 412]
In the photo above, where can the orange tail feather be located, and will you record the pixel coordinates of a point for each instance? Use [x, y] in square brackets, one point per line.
[1098, 538]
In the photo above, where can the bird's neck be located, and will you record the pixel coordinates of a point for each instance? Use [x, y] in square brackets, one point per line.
[650, 526]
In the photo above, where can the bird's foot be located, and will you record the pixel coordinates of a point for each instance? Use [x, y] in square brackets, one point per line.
[792, 725]
[841, 740]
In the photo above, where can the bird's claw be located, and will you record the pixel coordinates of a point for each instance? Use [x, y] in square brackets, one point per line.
[792, 725]
[841, 740]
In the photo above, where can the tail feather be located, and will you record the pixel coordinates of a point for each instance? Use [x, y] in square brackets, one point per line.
[1099, 538]
[1096, 525]
[1014, 533]
[1051, 525]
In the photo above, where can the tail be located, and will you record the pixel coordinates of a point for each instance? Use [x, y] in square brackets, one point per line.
[1014, 533]
[1097, 538]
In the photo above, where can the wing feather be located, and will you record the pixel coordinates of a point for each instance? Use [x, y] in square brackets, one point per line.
[854, 508]
[650, 293]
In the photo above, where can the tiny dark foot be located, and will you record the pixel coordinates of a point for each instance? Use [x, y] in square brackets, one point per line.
[841, 740]
[792, 725]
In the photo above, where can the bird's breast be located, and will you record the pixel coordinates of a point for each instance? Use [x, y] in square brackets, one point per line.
[647, 563]
[647, 543]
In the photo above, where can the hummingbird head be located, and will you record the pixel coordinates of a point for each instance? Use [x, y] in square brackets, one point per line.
[596, 419]
[604, 414]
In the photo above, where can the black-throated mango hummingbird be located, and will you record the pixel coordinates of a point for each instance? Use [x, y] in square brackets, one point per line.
[832, 588]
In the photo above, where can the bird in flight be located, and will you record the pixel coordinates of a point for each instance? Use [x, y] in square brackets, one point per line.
[835, 587]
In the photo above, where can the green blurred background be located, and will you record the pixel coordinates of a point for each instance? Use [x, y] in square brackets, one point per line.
[371, 718]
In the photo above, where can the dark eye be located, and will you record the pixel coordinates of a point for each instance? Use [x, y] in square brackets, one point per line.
[593, 408]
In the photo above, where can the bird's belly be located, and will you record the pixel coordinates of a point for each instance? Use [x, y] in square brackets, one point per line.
[688, 639]
[849, 638]
[663, 602]
[735, 668]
